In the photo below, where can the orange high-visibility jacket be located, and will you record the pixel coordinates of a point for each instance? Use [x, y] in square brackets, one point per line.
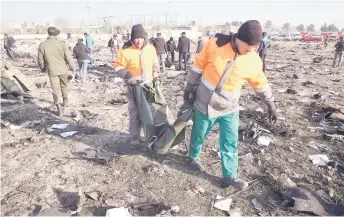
[207, 70]
[129, 62]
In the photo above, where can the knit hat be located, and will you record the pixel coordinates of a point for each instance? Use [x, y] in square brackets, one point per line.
[53, 31]
[137, 31]
[250, 32]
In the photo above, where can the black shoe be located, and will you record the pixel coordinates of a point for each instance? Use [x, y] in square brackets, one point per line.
[195, 165]
[59, 110]
[236, 183]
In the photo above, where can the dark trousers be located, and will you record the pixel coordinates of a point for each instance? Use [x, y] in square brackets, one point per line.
[10, 53]
[182, 56]
[170, 54]
[262, 57]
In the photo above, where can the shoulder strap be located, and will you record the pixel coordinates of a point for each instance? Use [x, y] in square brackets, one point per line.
[225, 74]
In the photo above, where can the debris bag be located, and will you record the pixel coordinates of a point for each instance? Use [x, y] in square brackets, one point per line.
[176, 133]
[154, 113]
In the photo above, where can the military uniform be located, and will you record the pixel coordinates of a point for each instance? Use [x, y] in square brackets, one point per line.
[53, 57]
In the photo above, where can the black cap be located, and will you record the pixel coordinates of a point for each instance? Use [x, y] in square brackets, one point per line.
[53, 31]
[137, 31]
[250, 32]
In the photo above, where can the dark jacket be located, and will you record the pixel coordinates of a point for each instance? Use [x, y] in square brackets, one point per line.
[339, 46]
[111, 43]
[184, 45]
[264, 45]
[160, 45]
[80, 52]
[171, 46]
[199, 46]
[54, 56]
[9, 42]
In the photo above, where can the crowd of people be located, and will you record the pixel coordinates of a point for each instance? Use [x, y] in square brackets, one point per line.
[221, 66]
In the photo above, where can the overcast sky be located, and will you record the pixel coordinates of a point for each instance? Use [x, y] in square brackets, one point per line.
[208, 12]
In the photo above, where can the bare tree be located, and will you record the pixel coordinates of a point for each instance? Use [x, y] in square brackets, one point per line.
[311, 28]
[268, 24]
[286, 27]
[300, 28]
[332, 28]
[324, 28]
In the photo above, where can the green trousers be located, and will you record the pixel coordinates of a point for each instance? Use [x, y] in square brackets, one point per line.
[229, 125]
[59, 85]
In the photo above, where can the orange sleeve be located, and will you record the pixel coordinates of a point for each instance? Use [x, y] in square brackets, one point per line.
[258, 79]
[201, 58]
[121, 62]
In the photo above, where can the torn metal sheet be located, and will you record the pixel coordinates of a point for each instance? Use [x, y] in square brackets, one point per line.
[310, 201]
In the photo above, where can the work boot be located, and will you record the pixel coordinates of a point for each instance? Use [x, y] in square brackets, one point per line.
[65, 102]
[195, 164]
[59, 110]
[236, 183]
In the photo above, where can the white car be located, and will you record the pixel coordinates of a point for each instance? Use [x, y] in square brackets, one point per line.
[283, 37]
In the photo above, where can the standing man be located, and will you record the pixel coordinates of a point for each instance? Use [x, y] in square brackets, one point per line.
[114, 46]
[339, 52]
[160, 46]
[200, 44]
[184, 50]
[171, 47]
[219, 72]
[129, 66]
[54, 57]
[89, 43]
[263, 49]
[326, 41]
[9, 45]
[80, 52]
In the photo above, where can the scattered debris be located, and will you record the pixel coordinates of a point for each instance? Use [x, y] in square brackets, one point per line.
[67, 134]
[197, 189]
[319, 159]
[101, 158]
[286, 182]
[264, 141]
[53, 211]
[337, 116]
[318, 59]
[222, 203]
[291, 91]
[235, 212]
[258, 206]
[57, 126]
[310, 201]
[93, 195]
[115, 212]
[175, 209]
[295, 76]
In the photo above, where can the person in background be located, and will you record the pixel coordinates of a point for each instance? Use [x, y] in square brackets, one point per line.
[160, 46]
[113, 44]
[338, 52]
[80, 52]
[53, 56]
[326, 41]
[218, 73]
[151, 40]
[184, 50]
[263, 49]
[129, 66]
[9, 45]
[89, 43]
[199, 44]
[171, 47]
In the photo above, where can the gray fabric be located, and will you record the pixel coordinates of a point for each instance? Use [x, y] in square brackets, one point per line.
[153, 111]
[162, 61]
[338, 55]
[134, 118]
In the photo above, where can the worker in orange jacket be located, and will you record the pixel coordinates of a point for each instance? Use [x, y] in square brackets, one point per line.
[219, 71]
[137, 62]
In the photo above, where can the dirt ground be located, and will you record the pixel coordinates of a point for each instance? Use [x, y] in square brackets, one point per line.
[41, 169]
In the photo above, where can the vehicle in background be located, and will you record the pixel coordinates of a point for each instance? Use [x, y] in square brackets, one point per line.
[273, 35]
[309, 37]
[296, 36]
[283, 37]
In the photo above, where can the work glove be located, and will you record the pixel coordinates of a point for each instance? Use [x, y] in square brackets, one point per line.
[272, 112]
[132, 80]
[186, 96]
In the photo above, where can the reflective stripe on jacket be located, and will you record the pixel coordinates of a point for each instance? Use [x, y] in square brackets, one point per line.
[208, 69]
